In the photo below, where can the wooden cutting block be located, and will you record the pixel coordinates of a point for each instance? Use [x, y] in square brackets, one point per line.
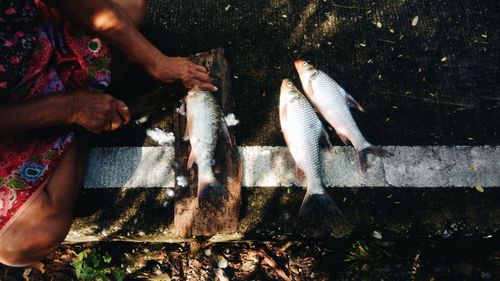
[190, 219]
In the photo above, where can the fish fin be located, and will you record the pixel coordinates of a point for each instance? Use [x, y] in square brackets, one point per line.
[211, 193]
[225, 132]
[322, 204]
[362, 155]
[309, 90]
[283, 121]
[299, 174]
[326, 137]
[191, 159]
[283, 114]
[343, 138]
[187, 129]
[353, 103]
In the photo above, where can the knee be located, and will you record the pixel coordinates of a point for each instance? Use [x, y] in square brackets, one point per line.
[139, 17]
[136, 10]
[15, 257]
[29, 248]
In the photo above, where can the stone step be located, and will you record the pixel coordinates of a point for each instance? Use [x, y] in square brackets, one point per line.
[398, 195]
[266, 166]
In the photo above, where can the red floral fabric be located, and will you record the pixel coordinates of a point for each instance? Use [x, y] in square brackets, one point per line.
[41, 54]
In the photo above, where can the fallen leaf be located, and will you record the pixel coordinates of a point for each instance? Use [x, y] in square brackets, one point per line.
[414, 22]
[377, 235]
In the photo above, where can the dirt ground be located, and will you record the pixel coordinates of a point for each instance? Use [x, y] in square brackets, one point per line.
[474, 258]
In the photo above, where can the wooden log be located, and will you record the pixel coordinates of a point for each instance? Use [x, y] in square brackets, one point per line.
[190, 219]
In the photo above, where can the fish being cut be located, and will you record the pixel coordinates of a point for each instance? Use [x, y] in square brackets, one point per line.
[205, 124]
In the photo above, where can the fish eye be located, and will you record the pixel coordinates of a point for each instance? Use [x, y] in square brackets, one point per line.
[304, 63]
[289, 84]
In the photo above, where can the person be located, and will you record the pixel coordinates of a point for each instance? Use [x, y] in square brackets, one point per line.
[55, 66]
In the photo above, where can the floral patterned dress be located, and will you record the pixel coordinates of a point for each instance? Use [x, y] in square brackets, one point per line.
[41, 54]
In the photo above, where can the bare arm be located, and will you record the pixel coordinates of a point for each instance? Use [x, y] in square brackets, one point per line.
[37, 113]
[110, 22]
[94, 111]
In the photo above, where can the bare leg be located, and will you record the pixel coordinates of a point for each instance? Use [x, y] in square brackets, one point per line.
[46, 222]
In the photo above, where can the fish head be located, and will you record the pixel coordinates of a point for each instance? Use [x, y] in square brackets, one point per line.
[306, 70]
[195, 92]
[288, 92]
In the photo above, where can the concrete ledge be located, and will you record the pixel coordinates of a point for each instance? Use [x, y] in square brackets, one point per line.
[124, 167]
[408, 205]
[265, 166]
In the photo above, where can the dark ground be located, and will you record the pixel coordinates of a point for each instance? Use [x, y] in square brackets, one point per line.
[435, 83]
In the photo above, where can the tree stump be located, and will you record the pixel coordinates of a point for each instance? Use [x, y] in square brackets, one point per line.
[190, 219]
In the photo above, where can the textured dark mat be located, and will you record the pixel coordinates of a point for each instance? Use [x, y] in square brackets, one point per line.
[433, 83]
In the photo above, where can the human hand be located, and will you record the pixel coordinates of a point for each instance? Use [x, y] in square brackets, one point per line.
[192, 75]
[97, 112]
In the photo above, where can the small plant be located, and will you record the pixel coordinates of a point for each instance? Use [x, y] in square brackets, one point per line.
[92, 265]
[370, 262]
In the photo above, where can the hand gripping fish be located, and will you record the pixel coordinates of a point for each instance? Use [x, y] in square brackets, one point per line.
[333, 103]
[302, 130]
[205, 123]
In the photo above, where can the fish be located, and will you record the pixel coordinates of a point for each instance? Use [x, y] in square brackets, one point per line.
[333, 103]
[302, 131]
[204, 126]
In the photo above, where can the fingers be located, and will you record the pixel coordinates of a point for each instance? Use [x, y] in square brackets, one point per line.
[116, 121]
[207, 87]
[118, 115]
[200, 68]
[123, 111]
[202, 76]
[199, 78]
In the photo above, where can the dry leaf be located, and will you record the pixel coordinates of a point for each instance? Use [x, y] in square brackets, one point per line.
[414, 21]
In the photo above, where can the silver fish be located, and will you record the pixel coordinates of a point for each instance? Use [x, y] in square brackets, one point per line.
[333, 103]
[205, 123]
[302, 130]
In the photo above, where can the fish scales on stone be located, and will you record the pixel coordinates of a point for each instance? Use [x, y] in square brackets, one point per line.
[205, 124]
[333, 103]
[302, 130]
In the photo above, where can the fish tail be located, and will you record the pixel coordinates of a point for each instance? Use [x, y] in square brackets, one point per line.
[362, 155]
[323, 204]
[211, 192]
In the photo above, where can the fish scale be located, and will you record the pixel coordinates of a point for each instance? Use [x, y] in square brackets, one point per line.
[302, 130]
[205, 124]
[305, 133]
[333, 103]
[205, 121]
[327, 93]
